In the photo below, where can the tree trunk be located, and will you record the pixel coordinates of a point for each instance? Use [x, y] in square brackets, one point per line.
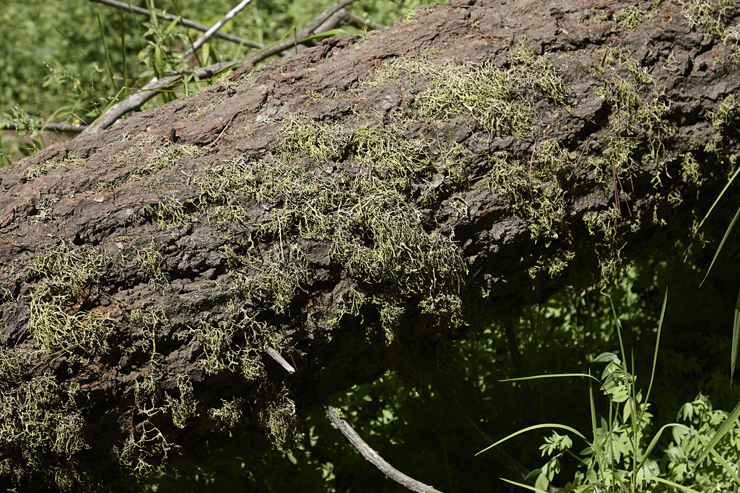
[348, 210]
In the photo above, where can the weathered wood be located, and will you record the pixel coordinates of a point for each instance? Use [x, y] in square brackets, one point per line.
[352, 208]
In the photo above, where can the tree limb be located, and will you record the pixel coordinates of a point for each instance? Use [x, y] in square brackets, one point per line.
[52, 127]
[182, 21]
[303, 33]
[135, 101]
[213, 30]
[372, 456]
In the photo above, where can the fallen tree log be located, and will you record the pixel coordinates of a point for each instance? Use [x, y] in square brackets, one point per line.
[350, 209]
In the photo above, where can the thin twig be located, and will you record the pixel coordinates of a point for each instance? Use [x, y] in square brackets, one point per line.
[212, 31]
[342, 16]
[135, 101]
[184, 22]
[372, 456]
[52, 127]
[279, 359]
[302, 34]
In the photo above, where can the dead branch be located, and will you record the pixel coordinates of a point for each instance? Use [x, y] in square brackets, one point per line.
[52, 127]
[372, 456]
[303, 33]
[182, 21]
[213, 30]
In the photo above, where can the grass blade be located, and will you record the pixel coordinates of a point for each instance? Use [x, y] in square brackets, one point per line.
[727, 467]
[526, 486]
[123, 56]
[670, 483]
[594, 427]
[618, 323]
[726, 426]
[716, 201]
[655, 439]
[735, 340]
[558, 375]
[535, 427]
[721, 244]
[107, 55]
[657, 345]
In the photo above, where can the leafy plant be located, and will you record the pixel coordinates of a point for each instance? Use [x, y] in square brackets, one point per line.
[618, 456]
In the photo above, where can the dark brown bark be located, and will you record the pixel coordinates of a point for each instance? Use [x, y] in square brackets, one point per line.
[515, 148]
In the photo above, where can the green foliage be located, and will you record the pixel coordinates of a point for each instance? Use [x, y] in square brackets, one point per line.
[69, 61]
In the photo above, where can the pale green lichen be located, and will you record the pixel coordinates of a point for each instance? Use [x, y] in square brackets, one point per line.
[68, 275]
[273, 276]
[706, 15]
[226, 215]
[150, 261]
[229, 416]
[41, 433]
[631, 17]
[150, 323]
[236, 345]
[277, 418]
[691, 168]
[319, 142]
[147, 448]
[487, 93]
[44, 168]
[554, 264]
[184, 407]
[143, 451]
[45, 208]
[638, 116]
[495, 97]
[726, 115]
[535, 186]
[147, 395]
[165, 157]
[605, 225]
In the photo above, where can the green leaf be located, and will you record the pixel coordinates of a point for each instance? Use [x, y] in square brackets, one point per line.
[657, 344]
[542, 483]
[325, 34]
[606, 358]
[172, 25]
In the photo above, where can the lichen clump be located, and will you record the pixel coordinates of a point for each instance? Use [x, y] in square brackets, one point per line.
[41, 430]
[67, 277]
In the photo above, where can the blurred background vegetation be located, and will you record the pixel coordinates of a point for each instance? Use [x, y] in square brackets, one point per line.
[65, 61]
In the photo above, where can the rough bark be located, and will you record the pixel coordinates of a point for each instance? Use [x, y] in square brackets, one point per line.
[352, 208]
